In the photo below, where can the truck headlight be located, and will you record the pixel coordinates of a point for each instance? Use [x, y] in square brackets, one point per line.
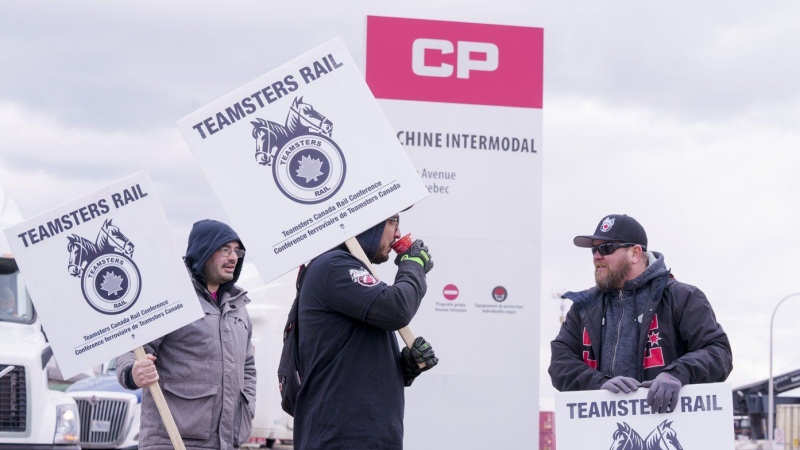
[67, 425]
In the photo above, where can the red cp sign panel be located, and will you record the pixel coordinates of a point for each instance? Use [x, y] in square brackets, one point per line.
[454, 62]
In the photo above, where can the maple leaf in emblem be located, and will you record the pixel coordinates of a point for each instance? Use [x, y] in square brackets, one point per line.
[111, 283]
[309, 168]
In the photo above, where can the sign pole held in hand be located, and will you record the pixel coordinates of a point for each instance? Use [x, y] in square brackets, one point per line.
[163, 408]
[358, 252]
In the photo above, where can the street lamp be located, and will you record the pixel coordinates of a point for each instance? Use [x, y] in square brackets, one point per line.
[770, 418]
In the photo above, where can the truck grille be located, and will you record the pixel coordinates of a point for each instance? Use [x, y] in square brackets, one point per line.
[102, 421]
[13, 400]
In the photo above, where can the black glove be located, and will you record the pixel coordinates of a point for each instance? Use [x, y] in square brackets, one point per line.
[620, 383]
[418, 252]
[663, 394]
[420, 352]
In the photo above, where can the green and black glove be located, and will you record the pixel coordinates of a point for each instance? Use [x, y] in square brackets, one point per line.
[420, 353]
[418, 252]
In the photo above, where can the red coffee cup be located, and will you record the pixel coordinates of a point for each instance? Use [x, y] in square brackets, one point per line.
[403, 244]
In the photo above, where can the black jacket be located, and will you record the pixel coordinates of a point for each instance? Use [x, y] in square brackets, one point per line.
[352, 392]
[678, 334]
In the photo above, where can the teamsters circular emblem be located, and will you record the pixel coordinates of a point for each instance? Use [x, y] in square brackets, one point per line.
[110, 280]
[309, 169]
[307, 165]
[111, 283]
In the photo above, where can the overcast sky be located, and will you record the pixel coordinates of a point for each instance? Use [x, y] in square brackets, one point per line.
[682, 114]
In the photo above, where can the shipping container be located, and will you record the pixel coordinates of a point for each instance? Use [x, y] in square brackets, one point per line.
[787, 419]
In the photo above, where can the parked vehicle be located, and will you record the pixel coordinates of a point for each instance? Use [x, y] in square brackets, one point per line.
[109, 413]
[741, 427]
[31, 415]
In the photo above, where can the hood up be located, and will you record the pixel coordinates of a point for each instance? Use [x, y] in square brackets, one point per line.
[371, 238]
[206, 237]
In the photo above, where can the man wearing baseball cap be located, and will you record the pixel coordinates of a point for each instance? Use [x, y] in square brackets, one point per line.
[638, 327]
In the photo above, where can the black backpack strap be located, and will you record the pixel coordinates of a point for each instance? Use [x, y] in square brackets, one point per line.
[289, 371]
[292, 326]
[301, 274]
[293, 313]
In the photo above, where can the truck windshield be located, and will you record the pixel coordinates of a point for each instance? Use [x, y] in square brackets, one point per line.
[15, 304]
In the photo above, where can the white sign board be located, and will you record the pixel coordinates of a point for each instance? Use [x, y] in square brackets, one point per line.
[601, 419]
[104, 273]
[302, 159]
[465, 100]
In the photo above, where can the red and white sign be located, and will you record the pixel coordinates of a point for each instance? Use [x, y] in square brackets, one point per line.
[454, 62]
[450, 292]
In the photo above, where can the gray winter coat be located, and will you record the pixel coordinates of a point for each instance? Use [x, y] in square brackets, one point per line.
[208, 376]
[206, 369]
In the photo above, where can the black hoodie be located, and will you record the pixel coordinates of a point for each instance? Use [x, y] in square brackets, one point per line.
[206, 237]
[352, 391]
[370, 239]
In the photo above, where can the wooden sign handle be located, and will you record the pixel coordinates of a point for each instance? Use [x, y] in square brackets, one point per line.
[163, 408]
[356, 250]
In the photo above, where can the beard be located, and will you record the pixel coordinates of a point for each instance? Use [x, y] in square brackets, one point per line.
[380, 256]
[614, 277]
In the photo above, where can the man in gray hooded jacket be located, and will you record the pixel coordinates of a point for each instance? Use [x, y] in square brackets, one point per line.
[638, 327]
[206, 369]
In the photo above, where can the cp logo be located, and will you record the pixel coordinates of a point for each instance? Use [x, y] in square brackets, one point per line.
[464, 63]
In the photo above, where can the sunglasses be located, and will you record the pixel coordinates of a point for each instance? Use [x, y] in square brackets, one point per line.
[608, 248]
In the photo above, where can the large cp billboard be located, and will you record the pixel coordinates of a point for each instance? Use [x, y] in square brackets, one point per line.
[465, 101]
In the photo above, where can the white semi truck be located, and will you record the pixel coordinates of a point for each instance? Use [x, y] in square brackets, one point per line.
[109, 413]
[32, 416]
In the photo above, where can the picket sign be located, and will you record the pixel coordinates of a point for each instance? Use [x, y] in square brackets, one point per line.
[163, 408]
[122, 284]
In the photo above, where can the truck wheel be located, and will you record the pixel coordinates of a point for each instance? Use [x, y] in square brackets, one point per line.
[270, 443]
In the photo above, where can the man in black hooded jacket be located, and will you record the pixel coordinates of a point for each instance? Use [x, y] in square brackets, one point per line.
[354, 373]
[206, 369]
[638, 327]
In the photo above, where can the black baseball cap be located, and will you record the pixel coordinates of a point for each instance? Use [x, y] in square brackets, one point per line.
[616, 227]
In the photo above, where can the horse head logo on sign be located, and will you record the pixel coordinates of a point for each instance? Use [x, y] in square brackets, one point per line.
[110, 281]
[307, 165]
[662, 438]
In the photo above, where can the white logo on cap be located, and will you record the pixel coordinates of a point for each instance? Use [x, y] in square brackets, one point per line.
[607, 224]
